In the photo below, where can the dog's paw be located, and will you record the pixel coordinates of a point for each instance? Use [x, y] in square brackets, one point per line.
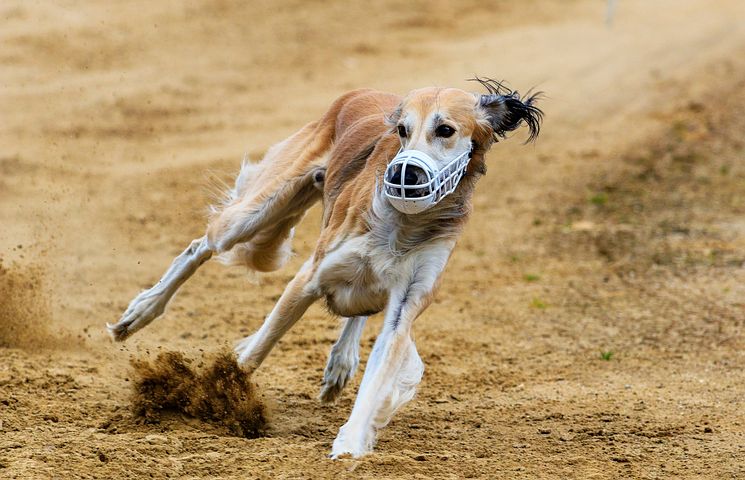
[330, 391]
[351, 442]
[118, 331]
[339, 371]
[145, 308]
[243, 349]
[343, 451]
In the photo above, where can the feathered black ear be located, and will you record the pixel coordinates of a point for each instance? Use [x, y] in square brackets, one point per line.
[506, 110]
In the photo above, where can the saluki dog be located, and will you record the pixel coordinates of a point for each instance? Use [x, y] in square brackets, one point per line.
[395, 176]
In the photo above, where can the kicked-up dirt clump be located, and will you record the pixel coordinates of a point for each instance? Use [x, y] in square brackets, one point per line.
[219, 392]
[24, 309]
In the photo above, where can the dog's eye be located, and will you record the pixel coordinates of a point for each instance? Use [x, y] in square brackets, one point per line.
[402, 131]
[444, 131]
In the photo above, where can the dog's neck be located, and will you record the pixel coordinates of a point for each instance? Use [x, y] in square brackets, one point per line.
[403, 233]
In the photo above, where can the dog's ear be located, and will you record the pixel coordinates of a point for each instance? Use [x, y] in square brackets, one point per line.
[505, 112]
[392, 118]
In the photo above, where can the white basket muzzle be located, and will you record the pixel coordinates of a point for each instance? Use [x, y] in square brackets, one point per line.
[413, 183]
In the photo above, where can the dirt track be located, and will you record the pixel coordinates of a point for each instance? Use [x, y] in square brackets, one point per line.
[622, 230]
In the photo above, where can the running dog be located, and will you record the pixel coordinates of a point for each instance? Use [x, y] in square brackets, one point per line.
[396, 177]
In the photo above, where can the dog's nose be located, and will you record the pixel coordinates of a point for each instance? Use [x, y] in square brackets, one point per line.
[411, 177]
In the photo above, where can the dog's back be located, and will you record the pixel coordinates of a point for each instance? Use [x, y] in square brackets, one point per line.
[317, 161]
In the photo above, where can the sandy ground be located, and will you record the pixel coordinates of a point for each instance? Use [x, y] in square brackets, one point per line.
[590, 323]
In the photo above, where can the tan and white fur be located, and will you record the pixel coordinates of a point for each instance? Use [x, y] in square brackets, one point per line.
[369, 257]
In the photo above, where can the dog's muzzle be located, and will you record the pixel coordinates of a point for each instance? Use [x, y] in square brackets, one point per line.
[413, 183]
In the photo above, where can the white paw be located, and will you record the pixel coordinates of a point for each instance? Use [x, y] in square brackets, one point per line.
[243, 349]
[339, 371]
[355, 443]
[145, 308]
[342, 451]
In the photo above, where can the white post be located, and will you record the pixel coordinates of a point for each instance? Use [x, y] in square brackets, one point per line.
[610, 12]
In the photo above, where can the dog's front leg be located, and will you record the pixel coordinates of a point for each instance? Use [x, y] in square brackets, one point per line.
[394, 368]
[295, 300]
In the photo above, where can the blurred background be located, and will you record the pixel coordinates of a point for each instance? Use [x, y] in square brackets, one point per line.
[590, 323]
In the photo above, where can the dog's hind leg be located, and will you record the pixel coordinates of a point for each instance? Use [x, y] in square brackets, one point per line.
[268, 251]
[272, 211]
[343, 359]
[269, 221]
[268, 200]
[148, 305]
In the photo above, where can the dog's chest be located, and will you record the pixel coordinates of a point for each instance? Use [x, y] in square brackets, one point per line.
[356, 278]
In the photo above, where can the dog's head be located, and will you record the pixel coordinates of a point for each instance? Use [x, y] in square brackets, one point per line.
[448, 124]
[444, 122]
